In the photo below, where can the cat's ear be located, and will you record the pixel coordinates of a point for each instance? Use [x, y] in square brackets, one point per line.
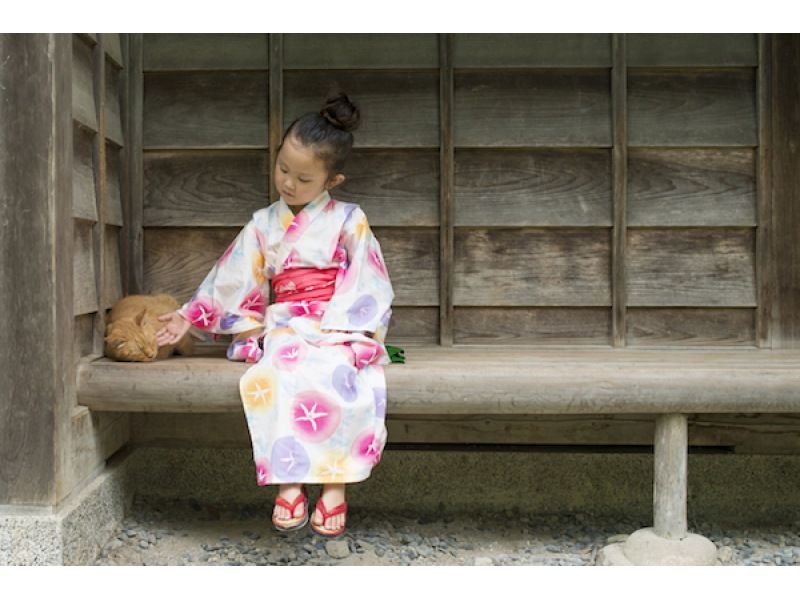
[138, 319]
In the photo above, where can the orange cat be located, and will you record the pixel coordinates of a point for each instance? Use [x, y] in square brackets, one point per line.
[131, 328]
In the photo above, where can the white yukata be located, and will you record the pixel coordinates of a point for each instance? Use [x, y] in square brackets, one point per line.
[315, 400]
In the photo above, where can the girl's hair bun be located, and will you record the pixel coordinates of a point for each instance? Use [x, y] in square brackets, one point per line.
[341, 112]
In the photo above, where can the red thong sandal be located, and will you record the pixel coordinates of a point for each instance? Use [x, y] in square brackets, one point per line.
[340, 509]
[295, 523]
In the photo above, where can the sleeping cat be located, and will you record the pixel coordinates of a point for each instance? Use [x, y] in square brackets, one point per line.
[131, 328]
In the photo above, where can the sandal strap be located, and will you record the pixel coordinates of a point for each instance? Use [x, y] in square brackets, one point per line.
[299, 499]
[338, 509]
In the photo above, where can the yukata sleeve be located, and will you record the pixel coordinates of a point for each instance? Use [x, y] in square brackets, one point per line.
[232, 298]
[363, 292]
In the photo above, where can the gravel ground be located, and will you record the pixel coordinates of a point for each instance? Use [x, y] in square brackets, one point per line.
[187, 533]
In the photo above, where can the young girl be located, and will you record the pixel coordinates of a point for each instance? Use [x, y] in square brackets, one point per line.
[315, 400]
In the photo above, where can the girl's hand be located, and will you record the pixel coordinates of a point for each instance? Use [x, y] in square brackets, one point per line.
[174, 329]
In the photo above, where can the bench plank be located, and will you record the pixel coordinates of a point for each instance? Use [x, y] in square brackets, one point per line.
[488, 380]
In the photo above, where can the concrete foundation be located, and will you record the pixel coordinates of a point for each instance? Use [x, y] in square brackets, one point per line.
[73, 533]
[723, 489]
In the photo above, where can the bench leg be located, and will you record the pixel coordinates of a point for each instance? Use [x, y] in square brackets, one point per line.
[668, 542]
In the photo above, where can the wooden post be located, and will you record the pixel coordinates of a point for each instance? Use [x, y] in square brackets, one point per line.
[446, 186]
[619, 97]
[785, 179]
[669, 484]
[35, 264]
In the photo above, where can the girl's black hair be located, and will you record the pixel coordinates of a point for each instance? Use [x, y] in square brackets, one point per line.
[328, 131]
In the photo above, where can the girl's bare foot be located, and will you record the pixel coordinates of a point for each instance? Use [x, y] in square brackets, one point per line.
[289, 492]
[332, 496]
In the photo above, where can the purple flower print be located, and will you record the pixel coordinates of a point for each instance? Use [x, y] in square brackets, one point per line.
[228, 320]
[363, 310]
[344, 381]
[380, 401]
[289, 459]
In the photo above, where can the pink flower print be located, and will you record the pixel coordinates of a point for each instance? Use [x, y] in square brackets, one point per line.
[288, 356]
[296, 227]
[346, 277]
[366, 353]
[254, 303]
[340, 255]
[315, 416]
[368, 447]
[262, 471]
[376, 262]
[247, 350]
[204, 313]
[291, 260]
[306, 308]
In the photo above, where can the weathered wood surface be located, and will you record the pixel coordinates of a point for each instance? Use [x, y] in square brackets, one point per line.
[446, 188]
[35, 263]
[523, 266]
[540, 187]
[669, 475]
[484, 380]
[786, 187]
[750, 433]
[691, 327]
[671, 107]
[619, 178]
[84, 200]
[112, 278]
[114, 173]
[204, 188]
[83, 104]
[765, 245]
[515, 325]
[564, 108]
[204, 51]
[400, 108]
[216, 109]
[134, 232]
[360, 50]
[515, 50]
[112, 104]
[83, 268]
[692, 187]
[113, 47]
[692, 49]
[691, 267]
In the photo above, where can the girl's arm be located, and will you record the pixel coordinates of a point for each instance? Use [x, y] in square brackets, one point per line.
[232, 297]
[362, 298]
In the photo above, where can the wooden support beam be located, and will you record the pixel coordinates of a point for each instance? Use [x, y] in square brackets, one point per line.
[619, 94]
[446, 189]
[670, 480]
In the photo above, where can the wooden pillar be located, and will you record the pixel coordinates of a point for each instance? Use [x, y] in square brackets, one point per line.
[446, 189]
[35, 262]
[786, 187]
[669, 484]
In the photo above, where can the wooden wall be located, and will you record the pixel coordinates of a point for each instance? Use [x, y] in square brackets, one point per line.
[98, 175]
[589, 189]
[61, 170]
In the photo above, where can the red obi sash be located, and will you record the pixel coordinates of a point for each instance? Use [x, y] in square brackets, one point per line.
[304, 284]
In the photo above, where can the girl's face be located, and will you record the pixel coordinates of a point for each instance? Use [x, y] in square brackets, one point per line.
[299, 175]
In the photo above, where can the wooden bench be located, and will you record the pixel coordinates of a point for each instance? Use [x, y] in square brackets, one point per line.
[669, 383]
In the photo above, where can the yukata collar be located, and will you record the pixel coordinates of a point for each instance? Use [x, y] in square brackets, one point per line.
[311, 209]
